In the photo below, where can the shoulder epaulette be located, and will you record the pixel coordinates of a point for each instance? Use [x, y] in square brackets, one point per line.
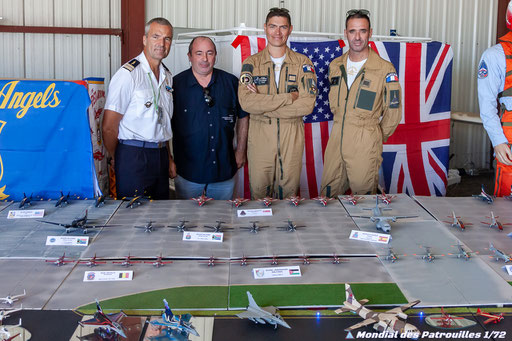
[165, 67]
[132, 64]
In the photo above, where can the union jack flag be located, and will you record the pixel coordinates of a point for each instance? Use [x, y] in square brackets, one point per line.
[416, 155]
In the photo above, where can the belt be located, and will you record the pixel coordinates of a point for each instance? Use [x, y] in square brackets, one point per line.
[143, 144]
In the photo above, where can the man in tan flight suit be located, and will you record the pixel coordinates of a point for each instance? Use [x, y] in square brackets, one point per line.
[365, 97]
[277, 88]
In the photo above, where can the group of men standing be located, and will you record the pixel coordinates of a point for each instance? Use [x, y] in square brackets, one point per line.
[202, 108]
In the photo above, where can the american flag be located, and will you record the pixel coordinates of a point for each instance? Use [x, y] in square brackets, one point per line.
[416, 155]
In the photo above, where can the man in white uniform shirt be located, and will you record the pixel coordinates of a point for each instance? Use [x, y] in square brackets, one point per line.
[137, 119]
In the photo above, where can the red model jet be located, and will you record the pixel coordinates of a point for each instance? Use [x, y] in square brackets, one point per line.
[127, 261]
[158, 262]
[494, 223]
[295, 200]
[91, 262]
[267, 201]
[212, 261]
[60, 261]
[491, 317]
[323, 200]
[352, 199]
[238, 201]
[386, 198]
[201, 200]
[456, 222]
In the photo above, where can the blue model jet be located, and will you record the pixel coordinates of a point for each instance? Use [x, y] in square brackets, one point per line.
[484, 196]
[175, 327]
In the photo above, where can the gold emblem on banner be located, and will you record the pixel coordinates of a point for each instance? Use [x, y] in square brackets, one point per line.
[246, 79]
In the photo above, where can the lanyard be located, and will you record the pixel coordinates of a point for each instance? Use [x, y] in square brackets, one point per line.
[156, 99]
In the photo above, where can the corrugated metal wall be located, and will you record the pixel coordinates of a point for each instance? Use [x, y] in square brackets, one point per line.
[60, 56]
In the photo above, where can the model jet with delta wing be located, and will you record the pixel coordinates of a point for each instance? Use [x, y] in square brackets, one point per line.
[389, 321]
[262, 315]
[110, 322]
[380, 220]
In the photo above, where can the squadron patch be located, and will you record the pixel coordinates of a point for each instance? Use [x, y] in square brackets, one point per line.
[246, 79]
[260, 80]
[391, 77]
[148, 104]
[483, 71]
[169, 89]
[292, 78]
[308, 68]
[394, 99]
[312, 86]
[132, 64]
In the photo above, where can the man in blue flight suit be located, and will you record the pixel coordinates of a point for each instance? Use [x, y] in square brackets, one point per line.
[206, 111]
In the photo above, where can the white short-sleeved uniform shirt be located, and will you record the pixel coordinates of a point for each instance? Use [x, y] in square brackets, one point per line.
[134, 92]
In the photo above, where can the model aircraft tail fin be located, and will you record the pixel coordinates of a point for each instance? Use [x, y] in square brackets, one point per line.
[168, 311]
[478, 311]
[350, 296]
[252, 302]
[98, 306]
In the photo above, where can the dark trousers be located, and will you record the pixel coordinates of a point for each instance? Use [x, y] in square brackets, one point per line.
[142, 171]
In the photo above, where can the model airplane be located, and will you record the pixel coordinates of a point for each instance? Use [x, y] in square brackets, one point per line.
[5, 335]
[109, 322]
[181, 226]
[63, 200]
[491, 317]
[177, 323]
[212, 261]
[428, 256]
[380, 220]
[100, 201]
[295, 200]
[391, 256]
[262, 315]
[60, 261]
[494, 223]
[201, 200]
[158, 262]
[352, 199]
[290, 227]
[25, 201]
[484, 196]
[323, 200]
[386, 198]
[148, 228]
[133, 201]
[335, 259]
[91, 262]
[242, 261]
[267, 201]
[254, 228]
[218, 227]
[238, 202]
[78, 223]
[7, 313]
[127, 261]
[273, 261]
[389, 321]
[498, 254]
[456, 222]
[11, 299]
[463, 253]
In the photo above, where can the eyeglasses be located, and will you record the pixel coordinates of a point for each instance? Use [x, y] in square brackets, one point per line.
[207, 98]
[358, 11]
[279, 9]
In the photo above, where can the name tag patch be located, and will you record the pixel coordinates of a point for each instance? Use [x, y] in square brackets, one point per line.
[292, 78]
[260, 80]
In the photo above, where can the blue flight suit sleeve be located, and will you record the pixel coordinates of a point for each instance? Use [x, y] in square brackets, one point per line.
[491, 80]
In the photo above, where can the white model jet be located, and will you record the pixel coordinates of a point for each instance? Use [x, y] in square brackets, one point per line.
[7, 312]
[11, 299]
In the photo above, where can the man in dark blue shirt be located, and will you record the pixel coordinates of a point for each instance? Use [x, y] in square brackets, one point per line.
[206, 111]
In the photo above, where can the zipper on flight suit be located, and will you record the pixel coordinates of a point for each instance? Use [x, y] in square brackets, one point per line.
[342, 68]
[358, 89]
[279, 125]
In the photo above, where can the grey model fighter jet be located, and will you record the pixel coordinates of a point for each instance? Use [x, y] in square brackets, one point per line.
[498, 254]
[262, 315]
[380, 220]
[389, 321]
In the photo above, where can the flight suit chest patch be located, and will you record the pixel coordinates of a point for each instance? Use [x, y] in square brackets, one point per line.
[394, 99]
[335, 80]
[292, 78]
[260, 80]
[366, 99]
[366, 83]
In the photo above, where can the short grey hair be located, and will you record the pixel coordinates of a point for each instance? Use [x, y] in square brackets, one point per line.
[158, 20]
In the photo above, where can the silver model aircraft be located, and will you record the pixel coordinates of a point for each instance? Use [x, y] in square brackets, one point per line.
[391, 256]
[463, 253]
[218, 227]
[11, 299]
[254, 228]
[380, 220]
[389, 321]
[262, 315]
[290, 227]
[148, 227]
[181, 227]
[498, 254]
[5, 334]
[7, 312]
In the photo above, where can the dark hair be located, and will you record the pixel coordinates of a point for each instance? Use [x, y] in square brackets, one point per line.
[358, 14]
[278, 12]
[158, 20]
[205, 37]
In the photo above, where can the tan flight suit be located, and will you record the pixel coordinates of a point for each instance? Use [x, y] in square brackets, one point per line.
[276, 130]
[364, 117]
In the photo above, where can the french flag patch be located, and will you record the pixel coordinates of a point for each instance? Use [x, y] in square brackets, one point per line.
[308, 68]
[391, 77]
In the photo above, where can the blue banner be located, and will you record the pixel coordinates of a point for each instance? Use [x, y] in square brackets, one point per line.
[45, 141]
